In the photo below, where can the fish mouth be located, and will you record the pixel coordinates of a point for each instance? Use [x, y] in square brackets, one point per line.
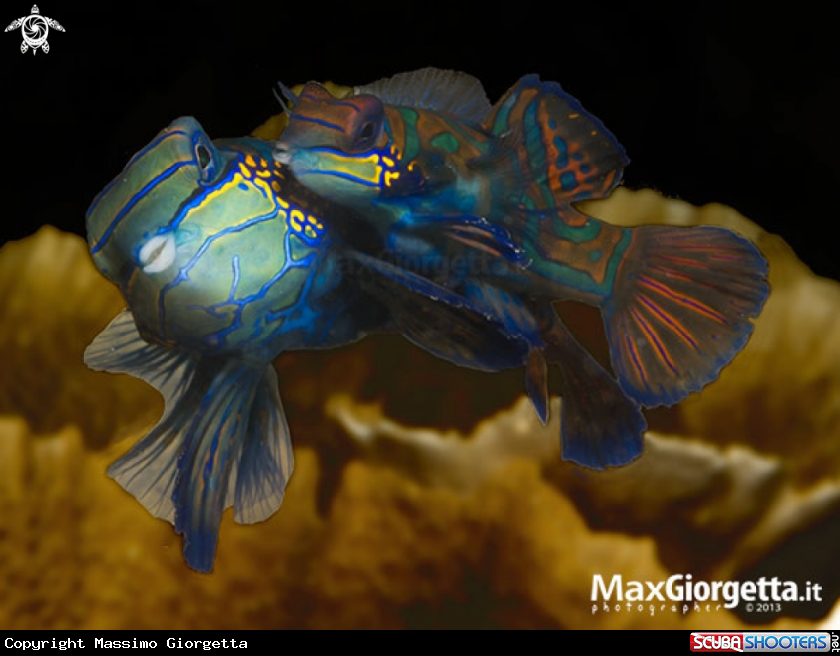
[158, 254]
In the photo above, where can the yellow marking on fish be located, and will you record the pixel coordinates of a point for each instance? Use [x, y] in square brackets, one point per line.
[354, 166]
[390, 176]
[263, 163]
[388, 161]
[264, 186]
[264, 174]
[246, 172]
[275, 186]
[282, 203]
[309, 232]
[295, 219]
[315, 222]
[235, 180]
[249, 160]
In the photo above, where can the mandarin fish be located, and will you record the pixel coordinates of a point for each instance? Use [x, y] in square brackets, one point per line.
[428, 159]
[225, 261]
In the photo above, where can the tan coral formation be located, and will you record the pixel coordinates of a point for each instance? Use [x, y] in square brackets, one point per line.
[454, 512]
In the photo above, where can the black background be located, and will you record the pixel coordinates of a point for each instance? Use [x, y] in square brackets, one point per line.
[718, 104]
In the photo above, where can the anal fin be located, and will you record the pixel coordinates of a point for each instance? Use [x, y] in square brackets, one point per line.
[600, 425]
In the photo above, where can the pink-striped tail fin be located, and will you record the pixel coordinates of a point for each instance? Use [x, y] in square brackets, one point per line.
[682, 308]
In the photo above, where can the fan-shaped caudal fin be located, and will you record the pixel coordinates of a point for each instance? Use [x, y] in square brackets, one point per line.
[681, 309]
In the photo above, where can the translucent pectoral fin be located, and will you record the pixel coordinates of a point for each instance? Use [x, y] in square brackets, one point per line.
[149, 469]
[120, 349]
[223, 439]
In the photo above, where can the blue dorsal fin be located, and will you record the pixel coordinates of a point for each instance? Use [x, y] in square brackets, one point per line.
[452, 92]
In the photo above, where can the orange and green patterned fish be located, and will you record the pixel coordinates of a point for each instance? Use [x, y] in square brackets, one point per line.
[430, 162]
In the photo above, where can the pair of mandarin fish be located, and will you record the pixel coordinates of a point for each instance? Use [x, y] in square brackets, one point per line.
[412, 206]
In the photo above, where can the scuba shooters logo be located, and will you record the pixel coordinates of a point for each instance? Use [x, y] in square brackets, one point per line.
[34, 29]
[680, 593]
[764, 641]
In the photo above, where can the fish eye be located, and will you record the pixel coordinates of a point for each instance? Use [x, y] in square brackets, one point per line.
[202, 155]
[366, 135]
[367, 131]
[204, 159]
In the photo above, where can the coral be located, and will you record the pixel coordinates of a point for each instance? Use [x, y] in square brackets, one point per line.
[453, 511]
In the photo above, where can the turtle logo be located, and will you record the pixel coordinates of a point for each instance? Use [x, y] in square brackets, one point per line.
[34, 29]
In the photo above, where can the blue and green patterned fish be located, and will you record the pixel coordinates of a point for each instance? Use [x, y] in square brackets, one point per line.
[428, 160]
[225, 261]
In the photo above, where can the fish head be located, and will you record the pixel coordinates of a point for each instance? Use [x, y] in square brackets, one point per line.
[339, 147]
[197, 236]
[134, 223]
